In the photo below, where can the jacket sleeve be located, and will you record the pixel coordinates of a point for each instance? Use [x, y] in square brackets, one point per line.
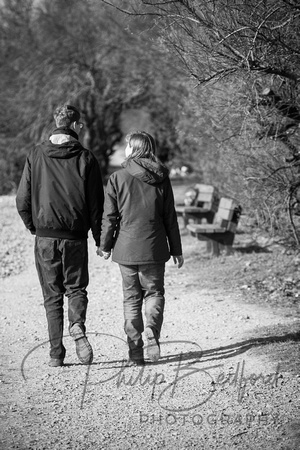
[170, 221]
[111, 217]
[23, 199]
[95, 199]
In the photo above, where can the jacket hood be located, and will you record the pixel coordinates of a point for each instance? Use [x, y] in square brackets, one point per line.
[146, 170]
[64, 150]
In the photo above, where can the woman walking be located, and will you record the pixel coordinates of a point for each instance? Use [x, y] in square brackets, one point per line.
[140, 229]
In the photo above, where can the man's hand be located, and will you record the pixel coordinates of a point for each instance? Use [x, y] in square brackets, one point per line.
[178, 260]
[99, 252]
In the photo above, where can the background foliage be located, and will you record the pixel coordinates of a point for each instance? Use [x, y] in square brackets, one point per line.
[244, 58]
[219, 80]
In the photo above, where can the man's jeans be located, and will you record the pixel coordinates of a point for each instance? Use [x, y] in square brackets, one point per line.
[142, 282]
[62, 266]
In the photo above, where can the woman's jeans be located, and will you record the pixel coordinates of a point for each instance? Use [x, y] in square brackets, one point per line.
[144, 282]
[62, 266]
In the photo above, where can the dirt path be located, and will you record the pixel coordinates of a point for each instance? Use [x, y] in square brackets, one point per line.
[228, 377]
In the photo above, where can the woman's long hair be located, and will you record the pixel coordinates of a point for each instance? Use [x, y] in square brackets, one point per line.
[143, 146]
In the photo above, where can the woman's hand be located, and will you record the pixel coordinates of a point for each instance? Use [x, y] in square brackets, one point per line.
[106, 255]
[178, 260]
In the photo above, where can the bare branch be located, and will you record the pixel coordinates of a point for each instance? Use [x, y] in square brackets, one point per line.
[290, 197]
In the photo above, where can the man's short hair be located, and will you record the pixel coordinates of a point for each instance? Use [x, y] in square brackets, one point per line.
[65, 115]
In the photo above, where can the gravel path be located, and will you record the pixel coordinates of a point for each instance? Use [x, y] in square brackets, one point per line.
[228, 377]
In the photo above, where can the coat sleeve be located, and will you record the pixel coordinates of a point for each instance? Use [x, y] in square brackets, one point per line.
[170, 221]
[111, 217]
[23, 198]
[95, 199]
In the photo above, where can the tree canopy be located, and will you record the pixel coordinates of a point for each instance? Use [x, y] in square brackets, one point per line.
[83, 53]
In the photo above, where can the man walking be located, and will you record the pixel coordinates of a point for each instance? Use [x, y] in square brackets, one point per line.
[60, 197]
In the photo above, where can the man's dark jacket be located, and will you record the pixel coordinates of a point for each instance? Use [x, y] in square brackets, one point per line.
[61, 192]
[139, 220]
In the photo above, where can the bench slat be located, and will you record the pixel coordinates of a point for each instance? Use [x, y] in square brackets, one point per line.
[225, 214]
[205, 197]
[227, 203]
[205, 188]
[195, 209]
[205, 228]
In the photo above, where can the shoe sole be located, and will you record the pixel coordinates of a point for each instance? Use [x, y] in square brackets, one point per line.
[153, 349]
[82, 347]
[137, 363]
[56, 363]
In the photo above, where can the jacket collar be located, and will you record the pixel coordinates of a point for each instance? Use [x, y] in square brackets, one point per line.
[62, 135]
[146, 170]
[65, 130]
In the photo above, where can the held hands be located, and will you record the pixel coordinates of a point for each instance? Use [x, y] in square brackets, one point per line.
[105, 255]
[178, 260]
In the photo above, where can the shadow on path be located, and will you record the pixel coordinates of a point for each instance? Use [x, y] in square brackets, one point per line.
[192, 357]
[253, 248]
[229, 351]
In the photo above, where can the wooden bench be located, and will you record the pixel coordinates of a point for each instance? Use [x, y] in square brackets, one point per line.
[203, 206]
[222, 231]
